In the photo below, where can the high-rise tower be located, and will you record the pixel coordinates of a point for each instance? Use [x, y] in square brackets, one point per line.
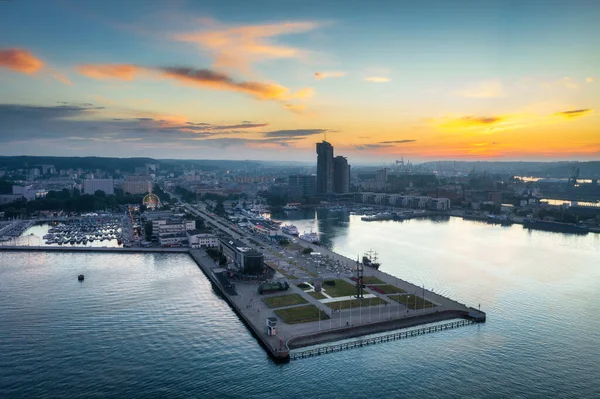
[324, 168]
[341, 175]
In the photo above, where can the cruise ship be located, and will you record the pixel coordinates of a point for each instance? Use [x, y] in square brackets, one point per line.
[311, 237]
[290, 229]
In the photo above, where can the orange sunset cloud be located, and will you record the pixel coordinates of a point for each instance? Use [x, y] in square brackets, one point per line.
[20, 60]
[109, 71]
[239, 47]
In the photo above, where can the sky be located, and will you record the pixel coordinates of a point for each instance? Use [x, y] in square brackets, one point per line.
[423, 80]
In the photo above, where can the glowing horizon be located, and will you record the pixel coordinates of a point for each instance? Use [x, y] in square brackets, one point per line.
[466, 82]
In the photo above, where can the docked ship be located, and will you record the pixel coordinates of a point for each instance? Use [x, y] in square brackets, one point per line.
[290, 207]
[370, 259]
[378, 216]
[311, 237]
[554, 226]
[290, 229]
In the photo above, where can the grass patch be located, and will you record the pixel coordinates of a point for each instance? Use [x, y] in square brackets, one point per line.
[356, 303]
[412, 301]
[316, 295]
[284, 300]
[341, 288]
[372, 280]
[389, 289]
[303, 286]
[301, 314]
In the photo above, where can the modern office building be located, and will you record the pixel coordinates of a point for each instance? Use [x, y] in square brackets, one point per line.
[302, 186]
[324, 168]
[341, 175]
[90, 186]
[247, 260]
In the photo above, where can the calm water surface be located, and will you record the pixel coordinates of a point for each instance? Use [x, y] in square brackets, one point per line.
[151, 325]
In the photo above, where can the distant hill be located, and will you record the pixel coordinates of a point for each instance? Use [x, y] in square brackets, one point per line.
[589, 169]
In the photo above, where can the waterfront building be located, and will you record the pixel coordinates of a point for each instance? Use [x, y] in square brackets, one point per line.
[200, 239]
[341, 175]
[439, 204]
[247, 260]
[90, 186]
[324, 168]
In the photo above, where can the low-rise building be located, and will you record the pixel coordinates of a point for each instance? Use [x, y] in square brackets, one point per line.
[247, 260]
[202, 239]
[439, 204]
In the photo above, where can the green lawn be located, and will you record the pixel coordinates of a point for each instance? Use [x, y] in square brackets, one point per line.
[341, 288]
[372, 280]
[355, 303]
[284, 300]
[390, 289]
[301, 314]
[412, 301]
[316, 295]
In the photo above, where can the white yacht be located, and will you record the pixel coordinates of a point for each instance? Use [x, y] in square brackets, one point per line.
[311, 237]
[290, 229]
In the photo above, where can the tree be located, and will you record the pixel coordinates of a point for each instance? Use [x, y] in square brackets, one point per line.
[220, 208]
[199, 224]
[148, 230]
[100, 193]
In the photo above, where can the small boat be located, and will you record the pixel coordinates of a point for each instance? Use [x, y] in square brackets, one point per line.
[80, 277]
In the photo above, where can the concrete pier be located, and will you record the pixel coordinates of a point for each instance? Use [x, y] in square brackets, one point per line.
[67, 248]
[343, 324]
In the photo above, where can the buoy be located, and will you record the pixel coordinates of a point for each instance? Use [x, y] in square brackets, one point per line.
[80, 277]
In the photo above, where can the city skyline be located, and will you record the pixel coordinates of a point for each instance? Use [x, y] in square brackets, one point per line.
[227, 80]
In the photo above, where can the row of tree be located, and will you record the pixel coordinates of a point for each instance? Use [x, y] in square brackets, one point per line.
[70, 201]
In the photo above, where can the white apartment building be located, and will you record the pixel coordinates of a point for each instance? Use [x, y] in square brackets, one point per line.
[90, 186]
[202, 240]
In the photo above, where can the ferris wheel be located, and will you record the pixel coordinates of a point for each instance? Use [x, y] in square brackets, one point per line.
[151, 201]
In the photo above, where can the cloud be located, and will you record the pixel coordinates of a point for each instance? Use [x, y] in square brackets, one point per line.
[240, 126]
[61, 77]
[295, 108]
[562, 83]
[20, 60]
[325, 75]
[377, 79]
[240, 47]
[576, 113]
[124, 72]
[86, 121]
[397, 141]
[295, 133]
[589, 80]
[220, 81]
[196, 77]
[364, 147]
[485, 89]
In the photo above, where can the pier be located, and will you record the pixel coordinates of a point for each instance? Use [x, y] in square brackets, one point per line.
[52, 248]
[359, 343]
[336, 325]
